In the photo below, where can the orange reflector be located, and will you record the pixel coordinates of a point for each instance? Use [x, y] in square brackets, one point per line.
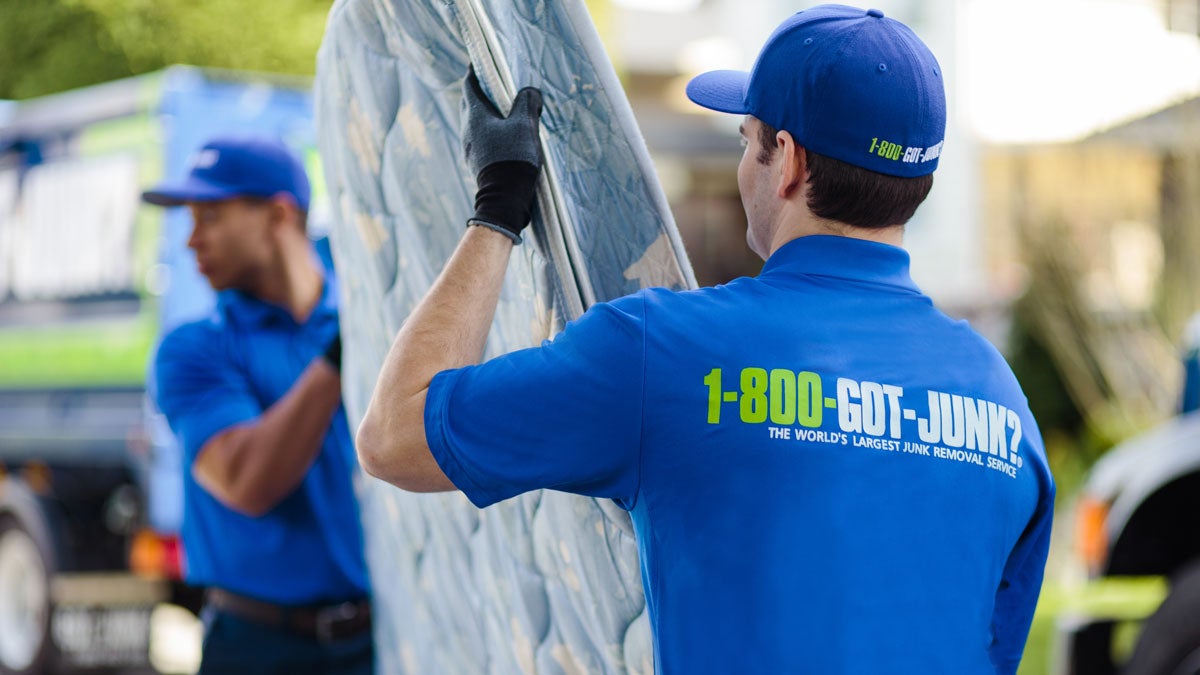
[1091, 535]
[37, 476]
[156, 556]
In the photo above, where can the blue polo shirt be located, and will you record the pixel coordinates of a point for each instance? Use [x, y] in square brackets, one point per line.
[825, 473]
[226, 370]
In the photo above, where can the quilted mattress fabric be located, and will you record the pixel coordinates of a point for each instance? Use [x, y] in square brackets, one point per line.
[545, 582]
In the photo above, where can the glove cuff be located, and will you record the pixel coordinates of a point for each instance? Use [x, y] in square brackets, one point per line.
[516, 238]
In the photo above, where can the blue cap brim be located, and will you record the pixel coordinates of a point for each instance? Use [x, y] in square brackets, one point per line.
[720, 90]
[190, 190]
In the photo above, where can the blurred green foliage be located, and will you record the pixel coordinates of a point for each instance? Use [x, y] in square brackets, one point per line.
[1049, 400]
[1072, 446]
[48, 46]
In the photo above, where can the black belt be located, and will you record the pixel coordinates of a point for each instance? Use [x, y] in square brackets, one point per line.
[323, 623]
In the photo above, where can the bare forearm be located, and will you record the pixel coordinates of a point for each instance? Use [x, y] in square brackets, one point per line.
[447, 330]
[251, 468]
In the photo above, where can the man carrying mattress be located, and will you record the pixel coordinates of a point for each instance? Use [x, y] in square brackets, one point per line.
[826, 474]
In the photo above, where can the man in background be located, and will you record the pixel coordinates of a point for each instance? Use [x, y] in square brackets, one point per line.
[253, 393]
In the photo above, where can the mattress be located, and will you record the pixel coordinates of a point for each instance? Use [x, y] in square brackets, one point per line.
[545, 582]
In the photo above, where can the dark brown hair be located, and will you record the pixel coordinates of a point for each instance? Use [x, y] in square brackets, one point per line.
[258, 200]
[848, 194]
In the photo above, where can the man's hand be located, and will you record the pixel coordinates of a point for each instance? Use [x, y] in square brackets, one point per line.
[505, 155]
[333, 353]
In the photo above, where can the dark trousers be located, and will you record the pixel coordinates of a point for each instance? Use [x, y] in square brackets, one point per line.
[233, 646]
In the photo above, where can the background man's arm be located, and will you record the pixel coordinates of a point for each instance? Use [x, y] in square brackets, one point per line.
[251, 467]
[449, 328]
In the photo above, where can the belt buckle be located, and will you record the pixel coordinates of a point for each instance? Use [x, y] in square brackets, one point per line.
[328, 617]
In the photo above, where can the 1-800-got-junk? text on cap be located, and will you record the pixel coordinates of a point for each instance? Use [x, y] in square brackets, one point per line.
[846, 83]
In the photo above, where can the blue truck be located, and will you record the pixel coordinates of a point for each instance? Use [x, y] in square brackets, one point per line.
[90, 478]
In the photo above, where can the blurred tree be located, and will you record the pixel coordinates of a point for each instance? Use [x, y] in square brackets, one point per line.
[1179, 227]
[1116, 363]
[1049, 398]
[53, 45]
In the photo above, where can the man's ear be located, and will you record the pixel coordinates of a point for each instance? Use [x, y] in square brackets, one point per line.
[793, 170]
[283, 212]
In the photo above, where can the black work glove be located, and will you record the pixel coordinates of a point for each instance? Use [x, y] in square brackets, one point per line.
[333, 353]
[505, 155]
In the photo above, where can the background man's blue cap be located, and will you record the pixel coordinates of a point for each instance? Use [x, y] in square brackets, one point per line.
[236, 167]
[846, 83]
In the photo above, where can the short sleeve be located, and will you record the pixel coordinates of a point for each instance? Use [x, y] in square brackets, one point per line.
[565, 416]
[197, 388]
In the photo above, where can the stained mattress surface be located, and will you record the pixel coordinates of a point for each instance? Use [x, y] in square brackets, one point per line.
[545, 582]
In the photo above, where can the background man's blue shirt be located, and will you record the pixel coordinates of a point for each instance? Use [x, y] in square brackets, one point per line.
[826, 474]
[226, 370]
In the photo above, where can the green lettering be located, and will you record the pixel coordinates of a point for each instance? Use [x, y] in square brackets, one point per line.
[754, 395]
[811, 398]
[783, 397]
[713, 382]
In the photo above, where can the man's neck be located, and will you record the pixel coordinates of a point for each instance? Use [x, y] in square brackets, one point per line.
[295, 281]
[796, 223]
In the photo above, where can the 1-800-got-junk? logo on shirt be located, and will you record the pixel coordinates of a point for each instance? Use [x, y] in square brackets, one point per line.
[793, 407]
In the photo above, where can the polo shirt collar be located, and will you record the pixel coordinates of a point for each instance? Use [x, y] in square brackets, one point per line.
[249, 310]
[844, 258]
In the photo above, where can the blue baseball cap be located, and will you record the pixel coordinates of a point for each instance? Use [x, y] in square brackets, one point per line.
[236, 167]
[846, 83]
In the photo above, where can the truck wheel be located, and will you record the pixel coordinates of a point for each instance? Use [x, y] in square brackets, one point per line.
[24, 602]
[1170, 640]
